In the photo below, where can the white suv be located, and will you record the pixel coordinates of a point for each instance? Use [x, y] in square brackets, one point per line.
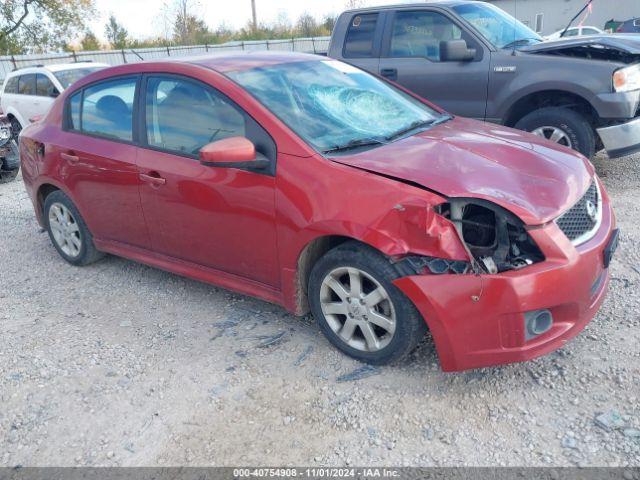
[29, 92]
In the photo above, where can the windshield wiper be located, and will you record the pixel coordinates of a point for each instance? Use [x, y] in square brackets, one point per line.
[419, 124]
[520, 41]
[353, 144]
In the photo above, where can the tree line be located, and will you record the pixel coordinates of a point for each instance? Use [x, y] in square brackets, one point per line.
[38, 26]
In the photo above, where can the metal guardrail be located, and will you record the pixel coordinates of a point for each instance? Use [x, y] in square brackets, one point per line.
[9, 63]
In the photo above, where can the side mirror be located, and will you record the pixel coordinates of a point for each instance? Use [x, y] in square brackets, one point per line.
[54, 93]
[232, 152]
[456, 51]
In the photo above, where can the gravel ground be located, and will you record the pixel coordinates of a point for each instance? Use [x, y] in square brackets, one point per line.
[122, 364]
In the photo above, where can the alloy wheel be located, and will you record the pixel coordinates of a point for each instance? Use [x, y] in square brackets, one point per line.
[65, 230]
[358, 309]
[554, 134]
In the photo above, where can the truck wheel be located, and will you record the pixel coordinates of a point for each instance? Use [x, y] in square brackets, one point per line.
[67, 230]
[359, 309]
[562, 126]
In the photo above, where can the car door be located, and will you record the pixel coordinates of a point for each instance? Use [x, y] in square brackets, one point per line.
[411, 56]
[98, 152]
[221, 218]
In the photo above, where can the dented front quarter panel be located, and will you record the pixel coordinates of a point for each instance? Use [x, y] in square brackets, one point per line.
[316, 197]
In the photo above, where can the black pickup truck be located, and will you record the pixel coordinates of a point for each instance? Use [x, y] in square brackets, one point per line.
[475, 60]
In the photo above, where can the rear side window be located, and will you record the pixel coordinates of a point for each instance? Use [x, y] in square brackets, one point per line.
[107, 109]
[12, 85]
[44, 87]
[27, 84]
[360, 36]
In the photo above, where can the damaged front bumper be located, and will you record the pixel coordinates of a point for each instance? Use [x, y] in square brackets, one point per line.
[620, 140]
[481, 320]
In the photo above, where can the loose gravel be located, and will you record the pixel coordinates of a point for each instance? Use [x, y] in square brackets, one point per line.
[122, 364]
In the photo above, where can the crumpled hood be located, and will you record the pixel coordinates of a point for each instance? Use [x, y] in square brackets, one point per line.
[533, 178]
[626, 42]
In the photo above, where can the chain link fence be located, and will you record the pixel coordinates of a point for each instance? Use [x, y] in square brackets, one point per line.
[8, 63]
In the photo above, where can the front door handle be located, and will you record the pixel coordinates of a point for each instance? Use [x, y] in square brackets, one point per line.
[69, 157]
[153, 178]
[390, 73]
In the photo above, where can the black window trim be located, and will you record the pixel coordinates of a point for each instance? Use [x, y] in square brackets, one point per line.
[142, 120]
[66, 118]
[385, 51]
[376, 41]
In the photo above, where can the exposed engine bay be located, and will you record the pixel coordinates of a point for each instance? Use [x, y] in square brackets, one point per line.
[496, 239]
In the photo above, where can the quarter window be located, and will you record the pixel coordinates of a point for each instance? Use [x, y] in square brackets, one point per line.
[107, 109]
[183, 116]
[418, 34]
[27, 84]
[44, 87]
[360, 35]
[12, 85]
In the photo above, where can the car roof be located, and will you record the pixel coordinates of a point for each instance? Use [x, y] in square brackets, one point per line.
[437, 3]
[56, 67]
[237, 61]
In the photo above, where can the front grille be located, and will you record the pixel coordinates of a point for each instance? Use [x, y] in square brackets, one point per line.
[583, 218]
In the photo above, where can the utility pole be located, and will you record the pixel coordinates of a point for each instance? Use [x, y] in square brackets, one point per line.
[253, 13]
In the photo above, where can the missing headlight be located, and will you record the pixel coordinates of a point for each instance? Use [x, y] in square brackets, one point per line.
[495, 238]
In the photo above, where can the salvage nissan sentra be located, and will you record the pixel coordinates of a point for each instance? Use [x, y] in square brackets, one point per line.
[309, 183]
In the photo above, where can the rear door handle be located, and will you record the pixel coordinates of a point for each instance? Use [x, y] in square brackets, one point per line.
[390, 73]
[153, 178]
[69, 157]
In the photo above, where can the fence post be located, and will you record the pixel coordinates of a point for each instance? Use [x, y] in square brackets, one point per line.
[313, 42]
[267, 44]
[73, 54]
[124, 57]
[293, 44]
[206, 47]
[13, 60]
[168, 51]
[242, 44]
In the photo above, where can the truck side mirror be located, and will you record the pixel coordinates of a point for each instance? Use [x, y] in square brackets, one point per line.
[456, 51]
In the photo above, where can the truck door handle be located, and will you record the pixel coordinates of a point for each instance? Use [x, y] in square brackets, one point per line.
[69, 157]
[390, 73]
[153, 178]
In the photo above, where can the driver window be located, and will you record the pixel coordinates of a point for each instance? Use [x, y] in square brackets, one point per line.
[183, 116]
[418, 34]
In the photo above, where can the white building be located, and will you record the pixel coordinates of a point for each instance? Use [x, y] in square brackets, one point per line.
[548, 16]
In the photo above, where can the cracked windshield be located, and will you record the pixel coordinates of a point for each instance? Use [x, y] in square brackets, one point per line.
[348, 108]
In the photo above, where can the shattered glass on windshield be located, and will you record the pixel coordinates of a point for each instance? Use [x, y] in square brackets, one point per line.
[331, 104]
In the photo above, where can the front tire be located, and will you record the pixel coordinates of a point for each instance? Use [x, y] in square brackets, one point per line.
[358, 308]
[563, 126]
[68, 231]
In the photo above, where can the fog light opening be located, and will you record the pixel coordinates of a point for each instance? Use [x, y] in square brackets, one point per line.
[537, 323]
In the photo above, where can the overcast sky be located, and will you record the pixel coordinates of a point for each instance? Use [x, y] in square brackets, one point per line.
[142, 18]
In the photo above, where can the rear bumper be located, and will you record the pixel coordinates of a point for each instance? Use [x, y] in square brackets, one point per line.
[621, 140]
[478, 321]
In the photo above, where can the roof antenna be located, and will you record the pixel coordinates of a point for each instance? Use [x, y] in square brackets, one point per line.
[574, 18]
[515, 23]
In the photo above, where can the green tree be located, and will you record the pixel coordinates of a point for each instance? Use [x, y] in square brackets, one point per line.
[41, 25]
[116, 34]
[90, 42]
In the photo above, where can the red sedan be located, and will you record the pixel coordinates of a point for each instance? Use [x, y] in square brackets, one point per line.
[309, 183]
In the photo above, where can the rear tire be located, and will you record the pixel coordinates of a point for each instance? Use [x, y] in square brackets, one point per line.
[378, 329]
[7, 176]
[16, 128]
[551, 122]
[68, 231]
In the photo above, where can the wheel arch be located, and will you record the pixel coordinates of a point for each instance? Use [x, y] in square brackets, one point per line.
[531, 101]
